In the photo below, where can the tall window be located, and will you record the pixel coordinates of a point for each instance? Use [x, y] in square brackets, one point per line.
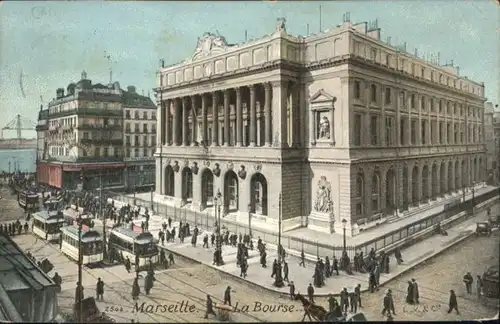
[388, 60]
[441, 133]
[389, 136]
[413, 132]
[402, 131]
[145, 115]
[145, 128]
[374, 130]
[440, 106]
[232, 191]
[359, 195]
[455, 136]
[373, 93]
[357, 129]
[357, 89]
[375, 193]
[412, 101]
[433, 136]
[422, 103]
[387, 96]
[374, 54]
[423, 131]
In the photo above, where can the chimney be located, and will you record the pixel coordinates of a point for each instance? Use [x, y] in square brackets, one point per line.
[131, 89]
[60, 93]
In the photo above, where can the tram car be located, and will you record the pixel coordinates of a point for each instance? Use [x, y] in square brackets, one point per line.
[91, 244]
[29, 201]
[71, 217]
[47, 224]
[126, 242]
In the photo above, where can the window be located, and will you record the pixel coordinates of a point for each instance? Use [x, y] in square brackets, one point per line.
[136, 140]
[375, 193]
[455, 136]
[432, 104]
[144, 140]
[413, 69]
[374, 54]
[402, 131]
[153, 115]
[373, 93]
[448, 108]
[449, 133]
[388, 60]
[422, 103]
[145, 115]
[106, 151]
[423, 131]
[374, 130]
[153, 140]
[389, 136]
[441, 133]
[441, 78]
[136, 152]
[387, 96]
[97, 151]
[136, 114]
[145, 128]
[357, 90]
[422, 72]
[136, 127]
[127, 128]
[433, 136]
[84, 152]
[153, 128]
[85, 135]
[440, 106]
[357, 129]
[413, 132]
[412, 101]
[127, 140]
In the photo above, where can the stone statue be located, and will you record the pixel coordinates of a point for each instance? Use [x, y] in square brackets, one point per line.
[323, 203]
[280, 24]
[207, 42]
[324, 128]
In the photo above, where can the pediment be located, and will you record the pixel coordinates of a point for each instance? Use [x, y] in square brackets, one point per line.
[321, 96]
[208, 45]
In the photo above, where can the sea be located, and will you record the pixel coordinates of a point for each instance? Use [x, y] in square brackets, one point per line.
[22, 160]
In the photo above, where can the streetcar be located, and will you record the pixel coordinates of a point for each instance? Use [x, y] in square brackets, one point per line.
[28, 200]
[71, 217]
[91, 244]
[47, 224]
[126, 242]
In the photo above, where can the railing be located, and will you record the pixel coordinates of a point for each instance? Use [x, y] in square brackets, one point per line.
[99, 127]
[100, 141]
[205, 220]
[88, 111]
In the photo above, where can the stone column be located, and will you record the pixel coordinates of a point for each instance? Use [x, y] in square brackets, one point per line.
[185, 125]
[167, 117]
[160, 121]
[239, 118]
[204, 121]
[332, 128]
[215, 120]
[175, 122]
[312, 126]
[280, 95]
[194, 122]
[226, 118]
[268, 117]
[253, 117]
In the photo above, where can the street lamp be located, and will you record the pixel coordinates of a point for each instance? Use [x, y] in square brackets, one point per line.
[278, 280]
[79, 290]
[344, 224]
[250, 219]
[218, 250]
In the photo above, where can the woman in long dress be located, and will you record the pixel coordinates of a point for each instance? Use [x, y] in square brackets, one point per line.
[409, 296]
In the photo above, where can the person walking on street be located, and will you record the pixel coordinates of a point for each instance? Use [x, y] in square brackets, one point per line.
[388, 303]
[302, 259]
[468, 280]
[292, 290]
[99, 289]
[453, 305]
[357, 291]
[344, 300]
[479, 286]
[285, 272]
[210, 308]
[136, 289]
[354, 302]
[227, 296]
[335, 265]
[310, 293]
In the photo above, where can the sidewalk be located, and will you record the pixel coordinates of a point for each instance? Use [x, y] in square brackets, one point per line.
[413, 255]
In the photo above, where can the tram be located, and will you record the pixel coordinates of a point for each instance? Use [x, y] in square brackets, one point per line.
[127, 242]
[28, 200]
[91, 244]
[71, 217]
[47, 224]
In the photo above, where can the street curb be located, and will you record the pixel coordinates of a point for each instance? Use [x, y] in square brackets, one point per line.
[285, 294]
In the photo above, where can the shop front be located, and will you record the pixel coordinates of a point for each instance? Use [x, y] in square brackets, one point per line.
[92, 174]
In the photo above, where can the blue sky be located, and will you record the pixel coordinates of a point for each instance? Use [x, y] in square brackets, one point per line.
[50, 43]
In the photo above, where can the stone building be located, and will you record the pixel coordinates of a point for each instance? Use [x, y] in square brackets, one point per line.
[492, 143]
[496, 132]
[41, 128]
[84, 137]
[139, 114]
[343, 125]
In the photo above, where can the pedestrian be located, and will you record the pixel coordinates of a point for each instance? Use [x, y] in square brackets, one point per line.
[171, 258]
[275, 264]
[415, 294]
[344, 300]
[128, 266]
[212, 239]
[354, 302]
[357, 291]
[58, 281]
[388, 303]
[335, 265]
[136, 289]
[79, 292]
[409, 293]
[210, 309]
[331, 303]
[205, 241]
[453, 305]
[479, 286]
[285, 271]
[169, 222]
[302, 259]
[148, 282]
[99, 289]
[468, 280]
[227, 296]
[310, 293]
[292, 290]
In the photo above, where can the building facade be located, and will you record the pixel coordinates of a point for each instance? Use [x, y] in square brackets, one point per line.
[496, 132]
[139, 114]
[342, 125]
[491, 144]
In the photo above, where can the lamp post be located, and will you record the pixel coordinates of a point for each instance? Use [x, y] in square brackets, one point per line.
[344, 223]
[80, 262]
[278, 280]
[218, 250]
[250, 219]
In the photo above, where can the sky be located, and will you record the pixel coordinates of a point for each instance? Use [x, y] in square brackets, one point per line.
[51, 43]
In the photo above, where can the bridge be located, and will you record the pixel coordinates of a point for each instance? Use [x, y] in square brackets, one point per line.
[18, 124]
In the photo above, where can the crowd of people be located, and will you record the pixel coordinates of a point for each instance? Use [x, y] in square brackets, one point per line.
[14, 228]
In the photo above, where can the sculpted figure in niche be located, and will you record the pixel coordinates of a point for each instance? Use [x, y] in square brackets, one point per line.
[324, 128]
[323, 203]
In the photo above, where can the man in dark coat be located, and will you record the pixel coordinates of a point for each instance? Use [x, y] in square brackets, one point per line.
[354, 302]
[388, 303]
[99, 290]
[468, 280]
[227, 296]
[453, 302]
[344, 300]
[169, 222]
[285, 271]
[212, 239]
[292, 290]
[310, 293]
[148, 283]
[275, 264]
[415, 293]
[79, 292]
[335, 265]
[409, 294]
[302, 259]
[58, 281]
[263, 260]
[210, 308]
[205, 241]
[136, 289]
[357, 291]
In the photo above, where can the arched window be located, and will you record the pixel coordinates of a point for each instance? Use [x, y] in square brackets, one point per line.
[187, 184]
[360, 190]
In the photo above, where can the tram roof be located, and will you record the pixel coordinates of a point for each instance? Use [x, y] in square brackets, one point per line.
[48, 216]
[88, 235]
[144, 237]
[74, 214]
